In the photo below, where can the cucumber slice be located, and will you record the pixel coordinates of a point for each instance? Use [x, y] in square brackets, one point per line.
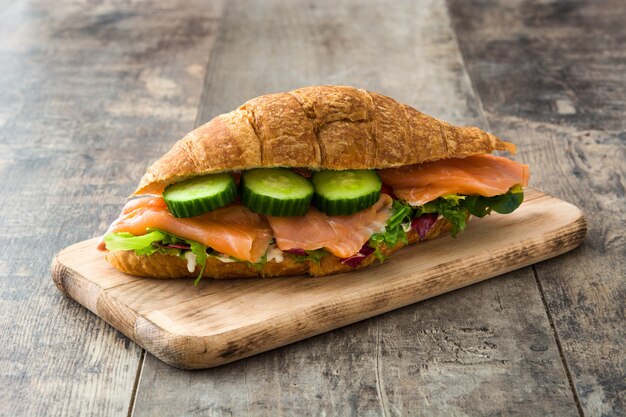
[276, 192]
[345, 192]
[200, 195]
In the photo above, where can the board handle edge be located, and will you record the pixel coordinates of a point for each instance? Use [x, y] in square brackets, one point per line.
[59, 273]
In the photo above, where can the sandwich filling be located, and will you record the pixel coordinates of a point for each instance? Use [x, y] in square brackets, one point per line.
[483, 175]
[413, 198]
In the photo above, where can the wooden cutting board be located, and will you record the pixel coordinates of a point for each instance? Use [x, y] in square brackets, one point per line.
[221, 321]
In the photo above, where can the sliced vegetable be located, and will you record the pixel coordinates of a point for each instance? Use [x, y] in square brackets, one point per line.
[345, 192]
[200, 195]
[276, 192]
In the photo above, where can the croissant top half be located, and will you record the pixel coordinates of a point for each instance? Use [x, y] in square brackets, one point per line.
[321, 127]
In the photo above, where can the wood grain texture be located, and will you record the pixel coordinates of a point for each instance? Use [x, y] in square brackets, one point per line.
[407, 52]
[84, 87]
[552, 78]
[219, 322]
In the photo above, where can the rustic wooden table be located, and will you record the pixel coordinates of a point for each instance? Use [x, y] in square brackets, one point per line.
[91, 92]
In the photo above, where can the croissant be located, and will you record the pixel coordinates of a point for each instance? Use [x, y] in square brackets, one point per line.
[322, 127]
[313, 128]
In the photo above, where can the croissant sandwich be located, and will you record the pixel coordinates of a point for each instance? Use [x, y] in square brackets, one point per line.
[317, 181]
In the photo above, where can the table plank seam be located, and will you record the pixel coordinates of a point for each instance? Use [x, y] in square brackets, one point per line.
[379, 385]
[566, 367]
[133, 397]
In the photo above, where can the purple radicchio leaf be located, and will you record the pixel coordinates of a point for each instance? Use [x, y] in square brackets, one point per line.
[424, 223]
[296, 251]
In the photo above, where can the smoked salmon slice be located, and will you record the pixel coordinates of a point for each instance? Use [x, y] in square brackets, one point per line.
[484, 175]
[342, 236]
[233, 230]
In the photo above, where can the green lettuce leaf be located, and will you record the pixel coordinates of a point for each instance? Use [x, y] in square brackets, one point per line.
[127, 241]
[146, 245]
[315, 256]
[451, 207]
[395, 229]
[199, 250]
[503, 204]
[257, 266]
[455, 207]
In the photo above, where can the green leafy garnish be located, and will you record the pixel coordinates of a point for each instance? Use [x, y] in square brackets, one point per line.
[257, 266]
[503, 204]
[154, 241]
[455, 207]
[394, 229]
[142, 245]
[199, 250]
[451, 207]
[315, 256]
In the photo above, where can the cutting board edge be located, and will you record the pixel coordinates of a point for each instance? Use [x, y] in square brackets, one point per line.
[199, 352]
[563, 241]
[66, 280]
[62, 275]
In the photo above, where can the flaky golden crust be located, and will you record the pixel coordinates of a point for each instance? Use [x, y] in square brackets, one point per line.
[167, 266]
[321, 127]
